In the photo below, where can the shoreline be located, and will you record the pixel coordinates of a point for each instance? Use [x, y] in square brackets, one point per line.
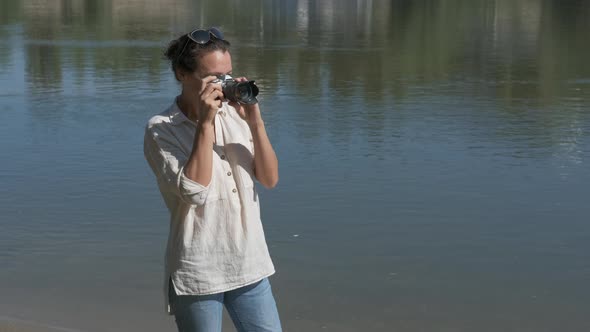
[10, 324]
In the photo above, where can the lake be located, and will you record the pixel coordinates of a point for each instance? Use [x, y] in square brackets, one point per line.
[433, 160]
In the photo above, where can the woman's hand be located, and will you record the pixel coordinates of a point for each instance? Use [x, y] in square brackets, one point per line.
[250, 113]
[210, 99]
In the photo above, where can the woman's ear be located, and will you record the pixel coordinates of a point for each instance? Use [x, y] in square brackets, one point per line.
[180, 75]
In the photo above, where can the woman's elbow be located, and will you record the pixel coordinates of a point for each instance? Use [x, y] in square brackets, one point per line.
[270, 182]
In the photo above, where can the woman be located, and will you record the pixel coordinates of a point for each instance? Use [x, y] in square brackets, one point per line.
[205, 153]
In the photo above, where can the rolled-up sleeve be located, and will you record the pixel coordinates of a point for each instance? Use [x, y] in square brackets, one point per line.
[167, 160]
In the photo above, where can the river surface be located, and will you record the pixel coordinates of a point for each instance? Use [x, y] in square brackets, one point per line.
[434, 160]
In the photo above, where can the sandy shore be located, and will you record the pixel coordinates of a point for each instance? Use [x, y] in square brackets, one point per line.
[16, 325]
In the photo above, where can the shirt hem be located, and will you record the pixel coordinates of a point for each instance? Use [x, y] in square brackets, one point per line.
[169, 310]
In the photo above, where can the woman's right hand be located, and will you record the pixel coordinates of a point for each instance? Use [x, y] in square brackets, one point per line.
[210, 99]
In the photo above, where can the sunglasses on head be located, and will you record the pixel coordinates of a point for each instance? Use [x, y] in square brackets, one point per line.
[202, 37]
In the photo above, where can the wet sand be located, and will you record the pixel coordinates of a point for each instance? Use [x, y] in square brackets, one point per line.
[16, 325]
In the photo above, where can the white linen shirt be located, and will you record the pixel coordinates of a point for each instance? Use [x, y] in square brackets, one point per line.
[216, 241]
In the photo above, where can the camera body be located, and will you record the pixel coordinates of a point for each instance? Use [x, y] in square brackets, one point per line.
[240, 92]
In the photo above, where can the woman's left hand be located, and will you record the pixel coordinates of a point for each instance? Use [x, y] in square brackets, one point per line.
[250, 113]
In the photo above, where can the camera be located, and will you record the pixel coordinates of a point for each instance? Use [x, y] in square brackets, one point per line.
[240, 92]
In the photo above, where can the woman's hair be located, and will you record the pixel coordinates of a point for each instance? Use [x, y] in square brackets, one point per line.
[188, 61]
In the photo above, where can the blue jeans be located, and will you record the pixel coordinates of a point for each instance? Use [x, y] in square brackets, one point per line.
[252, 308]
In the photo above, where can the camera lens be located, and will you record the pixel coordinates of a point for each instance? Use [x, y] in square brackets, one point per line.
[242, 92]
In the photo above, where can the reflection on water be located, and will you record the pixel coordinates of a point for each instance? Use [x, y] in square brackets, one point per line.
[525, 54]
[425, 146]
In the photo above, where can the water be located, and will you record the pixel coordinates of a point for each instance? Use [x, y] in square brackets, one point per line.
[433, 160]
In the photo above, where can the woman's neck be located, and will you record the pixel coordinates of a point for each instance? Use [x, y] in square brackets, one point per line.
[186, 107]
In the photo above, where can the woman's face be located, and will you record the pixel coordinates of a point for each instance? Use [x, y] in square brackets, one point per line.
[211, 64]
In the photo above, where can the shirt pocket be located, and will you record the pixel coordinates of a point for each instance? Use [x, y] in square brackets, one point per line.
[217, 189]
[242, 164]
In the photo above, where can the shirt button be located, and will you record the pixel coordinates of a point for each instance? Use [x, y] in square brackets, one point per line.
[222, 157]
[251, 140]
[228, 173]
[234, 190]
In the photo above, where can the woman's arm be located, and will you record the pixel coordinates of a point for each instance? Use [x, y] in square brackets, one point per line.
[266, 165]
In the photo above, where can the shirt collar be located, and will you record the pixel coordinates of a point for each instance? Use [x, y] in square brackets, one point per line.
[176, 116]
